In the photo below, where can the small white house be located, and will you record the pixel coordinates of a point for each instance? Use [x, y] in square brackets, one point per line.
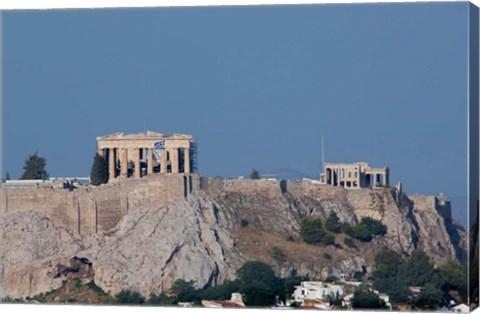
[315, 290]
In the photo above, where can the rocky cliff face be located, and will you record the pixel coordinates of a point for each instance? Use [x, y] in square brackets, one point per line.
[201, 238]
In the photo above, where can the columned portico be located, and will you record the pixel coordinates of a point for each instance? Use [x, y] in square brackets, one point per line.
[124, 152]
[355, 176]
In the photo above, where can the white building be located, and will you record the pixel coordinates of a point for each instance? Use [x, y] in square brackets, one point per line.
[315, 290]
[461, 308]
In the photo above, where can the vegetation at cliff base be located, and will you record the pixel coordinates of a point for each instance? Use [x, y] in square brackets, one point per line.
[366, 299]
[99, 171]
[395, 273]
[256, 281]
[34, 168]
[129, 297]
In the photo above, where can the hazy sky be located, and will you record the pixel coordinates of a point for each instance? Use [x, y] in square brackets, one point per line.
[256, 86]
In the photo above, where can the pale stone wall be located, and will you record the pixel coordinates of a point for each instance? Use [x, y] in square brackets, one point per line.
[424, 202]
[100, 209]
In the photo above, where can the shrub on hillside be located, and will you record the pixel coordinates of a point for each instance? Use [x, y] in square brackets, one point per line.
[349, 242]
[333, 223]
[312, 232]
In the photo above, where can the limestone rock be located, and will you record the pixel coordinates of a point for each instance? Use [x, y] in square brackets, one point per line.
[31, 247]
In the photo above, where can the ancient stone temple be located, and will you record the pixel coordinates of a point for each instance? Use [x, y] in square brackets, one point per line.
[141, 154]
[354, 176]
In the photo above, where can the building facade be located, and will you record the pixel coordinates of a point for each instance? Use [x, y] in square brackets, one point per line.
[140, 154]
[355, 175]
[315, 290]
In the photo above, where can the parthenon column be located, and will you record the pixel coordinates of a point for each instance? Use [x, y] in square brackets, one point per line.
[136, 155]
[186, 160]
[149, 161]
[124, 163]
[174, 160]
[111, 163]
[163, 162]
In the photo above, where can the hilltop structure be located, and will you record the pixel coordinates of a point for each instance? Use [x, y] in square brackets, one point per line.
[140, 154]
[354, 176]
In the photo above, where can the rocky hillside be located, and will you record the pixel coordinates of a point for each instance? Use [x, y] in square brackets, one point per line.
[212, 232]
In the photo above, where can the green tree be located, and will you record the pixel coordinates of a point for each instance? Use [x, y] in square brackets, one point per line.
[254, 175]
[374, 226]
[258, 283]
[258, 294]
[453, 274]
[349, 242]
[256, 271]
[328, 239]
[366, 299]
[244, 223]
[361, 233]
[397, 291]
[220, 292]
[99, 170]
[129, 297]
[387, 264]
[161, 299]
[454, 277]
[333, 223]
[34, 168]
[429, 298]
[311, 230]
[417, 270]
[7, 177]
[183, 290]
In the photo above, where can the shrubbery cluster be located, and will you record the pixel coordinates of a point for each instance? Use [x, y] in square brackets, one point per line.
[366, 230]
[395, 273]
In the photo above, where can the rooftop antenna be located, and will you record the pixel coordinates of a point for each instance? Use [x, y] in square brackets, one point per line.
[145, 126]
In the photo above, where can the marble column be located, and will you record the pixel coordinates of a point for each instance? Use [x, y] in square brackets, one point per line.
[186, 160]
[136, 155]
[163, 161]
[111, 163]
[149, 161]
[174, 160]
[124, 164]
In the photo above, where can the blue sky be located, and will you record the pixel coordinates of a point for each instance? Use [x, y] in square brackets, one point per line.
[257, 87]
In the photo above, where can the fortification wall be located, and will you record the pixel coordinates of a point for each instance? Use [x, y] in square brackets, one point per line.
[89, 210]
[424, 202]
[268, 188]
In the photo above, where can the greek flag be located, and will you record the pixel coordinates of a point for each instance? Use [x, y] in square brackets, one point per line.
[160, 145]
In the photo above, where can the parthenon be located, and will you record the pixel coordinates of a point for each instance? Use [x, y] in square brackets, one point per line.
[141, 154]
[354, 176]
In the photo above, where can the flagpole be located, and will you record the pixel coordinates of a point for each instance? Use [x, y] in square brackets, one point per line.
[323, 156]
